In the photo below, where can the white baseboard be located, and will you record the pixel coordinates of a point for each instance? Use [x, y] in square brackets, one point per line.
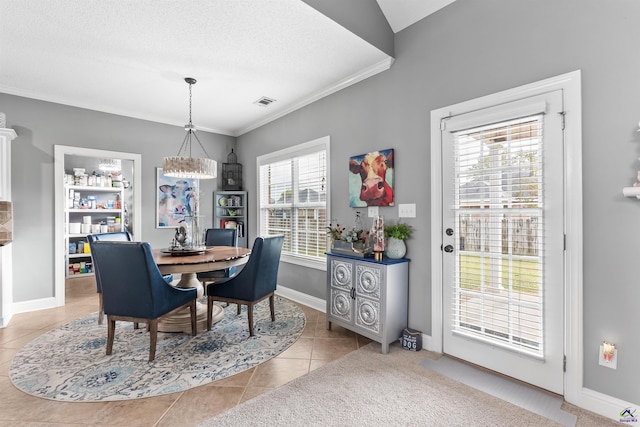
[299, 297]
[6, 317]
[34, 305]
[427, 343]
[605, 405]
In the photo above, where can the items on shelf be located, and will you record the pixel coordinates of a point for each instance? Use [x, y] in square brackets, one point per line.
[94, 204]
[230, 208]
[96, 179]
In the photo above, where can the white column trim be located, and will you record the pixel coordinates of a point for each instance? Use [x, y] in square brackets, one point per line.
[6, 252]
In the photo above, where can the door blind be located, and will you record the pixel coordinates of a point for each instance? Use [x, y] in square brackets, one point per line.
[498, 206]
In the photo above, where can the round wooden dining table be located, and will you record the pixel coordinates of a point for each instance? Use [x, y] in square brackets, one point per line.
[213, 258]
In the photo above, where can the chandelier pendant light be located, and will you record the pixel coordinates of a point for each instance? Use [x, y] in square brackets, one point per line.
[184, 165]
[110, 165]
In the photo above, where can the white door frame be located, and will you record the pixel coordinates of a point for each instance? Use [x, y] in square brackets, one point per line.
[570, 84]
[59, 170]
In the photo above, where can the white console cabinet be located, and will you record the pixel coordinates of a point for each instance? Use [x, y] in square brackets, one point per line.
[368, 297]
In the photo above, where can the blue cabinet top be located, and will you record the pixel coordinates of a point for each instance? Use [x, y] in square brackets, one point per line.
[385, 260]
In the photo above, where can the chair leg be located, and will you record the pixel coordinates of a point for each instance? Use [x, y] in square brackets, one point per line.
[111, 330]
[250, 314]
[100, 309]
[209, 313]
[272, 307]
[153, 332]
[194, 321]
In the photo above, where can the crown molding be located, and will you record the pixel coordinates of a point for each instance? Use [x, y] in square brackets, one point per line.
[379, 67]
[102, 109]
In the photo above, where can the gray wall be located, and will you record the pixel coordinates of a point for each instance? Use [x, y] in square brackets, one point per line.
[40, 126]
[470, 49]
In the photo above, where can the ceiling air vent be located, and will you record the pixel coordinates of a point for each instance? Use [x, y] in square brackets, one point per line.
[264, 101]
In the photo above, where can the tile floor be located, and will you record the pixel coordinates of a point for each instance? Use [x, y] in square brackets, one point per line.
[315, 347]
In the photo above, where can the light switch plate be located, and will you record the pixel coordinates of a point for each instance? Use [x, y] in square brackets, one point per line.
[407, 210]
[372, 211]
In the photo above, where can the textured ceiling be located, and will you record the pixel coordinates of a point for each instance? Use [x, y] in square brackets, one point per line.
[131, 57]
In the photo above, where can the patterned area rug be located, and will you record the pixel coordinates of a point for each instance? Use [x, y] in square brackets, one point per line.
[69, 363]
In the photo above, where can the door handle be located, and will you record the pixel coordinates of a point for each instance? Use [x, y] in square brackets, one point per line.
[449, 231]
[448, 248]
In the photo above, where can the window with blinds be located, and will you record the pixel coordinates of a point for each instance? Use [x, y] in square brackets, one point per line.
[293, 187]
[498, 207]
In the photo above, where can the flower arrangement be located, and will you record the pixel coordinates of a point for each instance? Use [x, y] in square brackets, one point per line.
[400, 231]
[335, 233]
[351, 235]
[352, 241]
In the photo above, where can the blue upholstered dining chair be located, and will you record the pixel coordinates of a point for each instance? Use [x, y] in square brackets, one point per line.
[255, 282]
[219, 237]
[134, 290]
[118, 236]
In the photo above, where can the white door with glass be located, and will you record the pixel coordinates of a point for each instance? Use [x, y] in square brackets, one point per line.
[503, 239]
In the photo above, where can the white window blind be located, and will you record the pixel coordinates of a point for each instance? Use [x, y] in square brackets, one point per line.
[498, 207]
[293, 186]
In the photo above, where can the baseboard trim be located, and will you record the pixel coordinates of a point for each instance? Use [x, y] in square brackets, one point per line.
[605, 405]
[34, 305]
[6, 318]
[299, 297]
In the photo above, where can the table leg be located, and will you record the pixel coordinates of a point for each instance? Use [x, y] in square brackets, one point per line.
[190, 280]
[181, 320]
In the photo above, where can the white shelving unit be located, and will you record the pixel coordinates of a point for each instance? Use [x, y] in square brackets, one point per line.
[77, 260]
[68, 158]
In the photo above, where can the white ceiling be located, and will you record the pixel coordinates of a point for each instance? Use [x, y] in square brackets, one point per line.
[130, 57]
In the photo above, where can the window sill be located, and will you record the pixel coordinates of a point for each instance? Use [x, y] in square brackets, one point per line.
[305, 262]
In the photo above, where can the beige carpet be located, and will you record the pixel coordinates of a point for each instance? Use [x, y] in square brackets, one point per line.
[366, 388]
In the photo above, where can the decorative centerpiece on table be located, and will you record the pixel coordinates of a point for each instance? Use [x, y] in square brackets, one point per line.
[188, 238]
[396, 234]
[349, 241]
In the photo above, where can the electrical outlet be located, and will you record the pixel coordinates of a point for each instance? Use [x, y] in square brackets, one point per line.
[613, 363]
[407, 210]
[372, 211]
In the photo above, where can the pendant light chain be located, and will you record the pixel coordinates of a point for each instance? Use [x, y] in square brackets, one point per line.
[190, 167]
[190, 122]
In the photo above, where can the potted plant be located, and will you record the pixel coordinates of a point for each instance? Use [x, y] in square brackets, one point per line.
[396, 234]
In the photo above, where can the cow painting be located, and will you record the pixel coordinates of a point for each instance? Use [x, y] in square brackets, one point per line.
[371, 179]
[175, 200]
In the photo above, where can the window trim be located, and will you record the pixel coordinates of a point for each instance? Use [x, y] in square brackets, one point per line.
[323, 143]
